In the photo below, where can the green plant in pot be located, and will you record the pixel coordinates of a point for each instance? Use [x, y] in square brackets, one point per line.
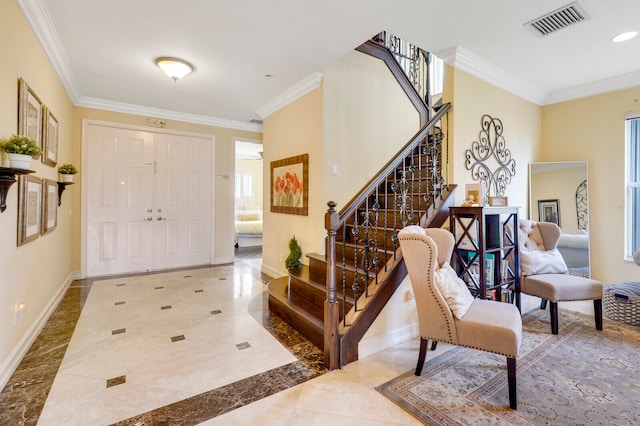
[20, 150]
[293, 260]
[67, 171]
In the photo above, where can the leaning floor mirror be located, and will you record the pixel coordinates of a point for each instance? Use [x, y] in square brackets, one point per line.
[558, 192]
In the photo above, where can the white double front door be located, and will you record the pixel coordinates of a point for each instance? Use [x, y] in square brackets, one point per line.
[148, 200]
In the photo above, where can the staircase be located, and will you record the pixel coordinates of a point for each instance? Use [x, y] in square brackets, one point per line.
[335, 299]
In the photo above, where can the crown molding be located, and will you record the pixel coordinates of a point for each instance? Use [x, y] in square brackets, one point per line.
[38, 18]
[460, 58]
[624, 81]
[166, 114]
[294, 93]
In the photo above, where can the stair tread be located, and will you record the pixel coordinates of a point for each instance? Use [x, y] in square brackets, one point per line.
[278, 289]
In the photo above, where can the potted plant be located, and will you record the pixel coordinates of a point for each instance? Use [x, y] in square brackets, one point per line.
[67, 171]
[20, 150]
[295, 253]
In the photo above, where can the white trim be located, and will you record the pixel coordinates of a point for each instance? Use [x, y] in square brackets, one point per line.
[464, 60]
[9, 366]
[294, 93]
[166, 114]
[224, 260]
[612, 84]
[270, 272]
[39, 20]
[384, 341]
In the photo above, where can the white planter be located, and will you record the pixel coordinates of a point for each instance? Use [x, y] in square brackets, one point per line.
[66, 178]
[19, 161]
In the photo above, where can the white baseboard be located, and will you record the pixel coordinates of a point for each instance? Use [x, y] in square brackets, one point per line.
[271, 272]
[10, 365]
[225, 260]
[384, 341]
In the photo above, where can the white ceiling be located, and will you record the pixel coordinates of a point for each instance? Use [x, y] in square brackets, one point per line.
[104, 50]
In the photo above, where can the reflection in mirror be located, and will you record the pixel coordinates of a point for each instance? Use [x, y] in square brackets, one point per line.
[558, 192]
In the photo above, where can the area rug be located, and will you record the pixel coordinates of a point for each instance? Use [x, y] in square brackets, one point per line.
[579, 377]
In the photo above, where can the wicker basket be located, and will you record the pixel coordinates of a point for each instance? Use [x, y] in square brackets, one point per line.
[621, 302]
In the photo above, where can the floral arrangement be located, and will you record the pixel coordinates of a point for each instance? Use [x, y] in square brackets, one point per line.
[21, 145]
[287, 190]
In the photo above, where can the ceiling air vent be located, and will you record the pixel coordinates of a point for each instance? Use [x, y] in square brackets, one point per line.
[561, 18]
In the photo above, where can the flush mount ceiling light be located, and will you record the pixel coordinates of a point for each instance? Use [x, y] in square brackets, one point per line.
[624, 36]
[175, 68]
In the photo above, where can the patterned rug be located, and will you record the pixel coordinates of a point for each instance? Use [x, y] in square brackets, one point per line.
[579, 377]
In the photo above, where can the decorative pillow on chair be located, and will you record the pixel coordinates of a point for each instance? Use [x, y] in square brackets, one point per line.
[454, 290]
[534, 262]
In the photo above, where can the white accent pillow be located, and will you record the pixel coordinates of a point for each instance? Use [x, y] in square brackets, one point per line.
[534, 262]
[454, 290]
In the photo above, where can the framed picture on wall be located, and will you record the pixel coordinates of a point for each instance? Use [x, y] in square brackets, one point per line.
[29, 112]
[29, 208]
[549, 211]
[290, 185]
[49, 205]
[50, 138]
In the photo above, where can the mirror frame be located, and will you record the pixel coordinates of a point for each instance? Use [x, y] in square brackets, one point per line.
[571, 224]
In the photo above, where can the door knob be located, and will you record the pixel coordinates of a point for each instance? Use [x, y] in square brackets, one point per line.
[162, 218]
[149, 210]
[149, 219]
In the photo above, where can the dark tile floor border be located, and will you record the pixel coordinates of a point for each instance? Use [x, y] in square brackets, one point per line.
[24, 396]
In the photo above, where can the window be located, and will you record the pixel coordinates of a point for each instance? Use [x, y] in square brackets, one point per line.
[244, 185]
[632, 190]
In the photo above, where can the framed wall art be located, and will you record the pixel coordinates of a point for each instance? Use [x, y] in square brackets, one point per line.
[29, 208]
[549, 211]
[29, 113]
[50, 137]
[290, 185]
[49, 205]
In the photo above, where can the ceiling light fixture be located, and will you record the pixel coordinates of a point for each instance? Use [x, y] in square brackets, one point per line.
[624, 36]
[175, 68]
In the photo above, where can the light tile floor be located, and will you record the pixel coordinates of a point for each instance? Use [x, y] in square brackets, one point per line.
[185, 342]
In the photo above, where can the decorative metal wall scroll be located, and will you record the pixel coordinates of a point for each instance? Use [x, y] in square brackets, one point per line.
[491, 145]
[582, 205]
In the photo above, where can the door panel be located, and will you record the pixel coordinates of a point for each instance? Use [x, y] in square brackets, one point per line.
[183, 200]
[119, 239]
[149, 198]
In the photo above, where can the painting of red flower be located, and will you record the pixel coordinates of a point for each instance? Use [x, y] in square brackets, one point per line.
[289, 185]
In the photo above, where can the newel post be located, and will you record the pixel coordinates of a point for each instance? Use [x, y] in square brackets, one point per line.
[331, 306]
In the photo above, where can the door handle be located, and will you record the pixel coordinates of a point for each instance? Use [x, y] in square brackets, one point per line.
[162, 218]
[149, 219]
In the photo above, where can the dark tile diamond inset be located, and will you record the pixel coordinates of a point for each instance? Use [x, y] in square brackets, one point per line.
[223, 279]
[199, 291]
[165, 307]
[121, 284]
[187, 276]
[158, 288]
[216, 312]
[119, 303]
[178, 338]
[118, 331]
[243, 345]
[116, 381]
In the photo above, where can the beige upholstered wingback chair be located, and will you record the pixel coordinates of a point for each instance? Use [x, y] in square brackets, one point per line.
[487, 325]
[544, 274]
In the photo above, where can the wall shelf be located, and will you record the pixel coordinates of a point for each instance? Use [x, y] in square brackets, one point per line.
[8, 178]
[61, 187]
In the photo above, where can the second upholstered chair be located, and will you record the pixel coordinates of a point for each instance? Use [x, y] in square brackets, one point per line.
[480, 324]
[544, 272]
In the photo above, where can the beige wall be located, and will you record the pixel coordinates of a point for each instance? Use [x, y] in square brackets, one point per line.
[356, 120]
[367, 119]
[294, 130]
[521, 120]
[35, 273]
[592, 129]
[224, 157]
